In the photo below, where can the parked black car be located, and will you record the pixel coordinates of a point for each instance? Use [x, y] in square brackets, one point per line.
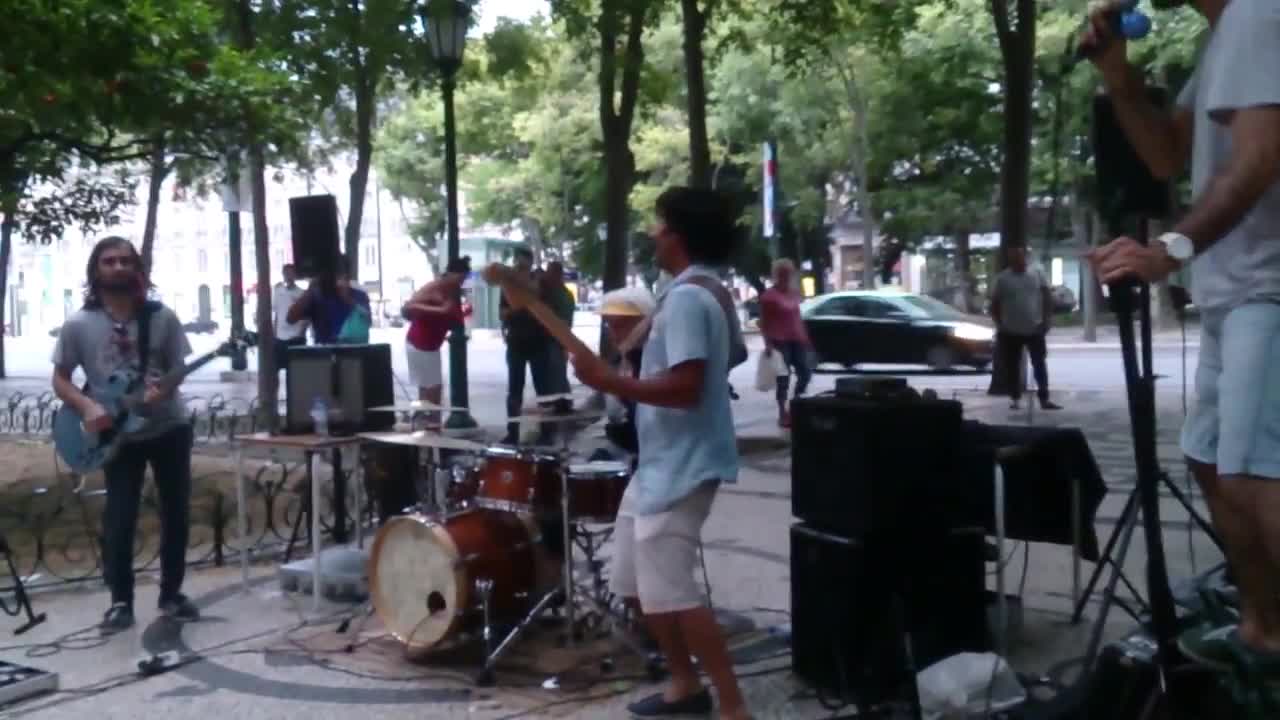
[895, 328]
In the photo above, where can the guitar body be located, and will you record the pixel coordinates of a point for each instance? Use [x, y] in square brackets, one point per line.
[84, 451]
[121, 398]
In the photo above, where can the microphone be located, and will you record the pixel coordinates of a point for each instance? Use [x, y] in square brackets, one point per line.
[1130, 23]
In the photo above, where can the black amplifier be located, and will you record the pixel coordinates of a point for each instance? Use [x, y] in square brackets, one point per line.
[867, 614]
[865, 464]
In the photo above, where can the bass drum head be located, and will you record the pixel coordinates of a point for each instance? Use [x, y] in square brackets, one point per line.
[415, 581]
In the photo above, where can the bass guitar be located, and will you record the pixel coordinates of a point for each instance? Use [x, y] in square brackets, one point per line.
[84, 451]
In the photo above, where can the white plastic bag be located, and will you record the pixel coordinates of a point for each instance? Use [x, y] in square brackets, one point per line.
[967, 685]
[767, 371]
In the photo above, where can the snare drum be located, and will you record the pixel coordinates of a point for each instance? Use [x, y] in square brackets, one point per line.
[424, 573]
[518, 480]
[596, 489]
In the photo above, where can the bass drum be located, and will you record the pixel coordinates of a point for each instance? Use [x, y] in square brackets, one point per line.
[424, 572]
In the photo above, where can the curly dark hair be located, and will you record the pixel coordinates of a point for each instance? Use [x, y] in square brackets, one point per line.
[706, 220]
[111, 242]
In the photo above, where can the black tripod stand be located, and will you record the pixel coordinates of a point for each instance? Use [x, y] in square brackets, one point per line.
[1140, 384]
[19, 593]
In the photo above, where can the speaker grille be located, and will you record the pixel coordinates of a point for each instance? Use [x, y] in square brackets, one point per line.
[314, 222]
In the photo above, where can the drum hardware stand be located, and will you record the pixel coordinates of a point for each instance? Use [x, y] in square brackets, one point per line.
[19, 593]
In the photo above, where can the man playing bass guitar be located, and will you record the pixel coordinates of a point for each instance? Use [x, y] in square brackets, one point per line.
[103, 339]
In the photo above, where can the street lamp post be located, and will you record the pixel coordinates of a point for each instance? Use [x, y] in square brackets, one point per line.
[444, 22]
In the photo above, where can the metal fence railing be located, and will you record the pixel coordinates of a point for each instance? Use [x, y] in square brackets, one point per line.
[53, 519]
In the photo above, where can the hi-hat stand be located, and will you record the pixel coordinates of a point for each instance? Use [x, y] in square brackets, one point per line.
[19, 593]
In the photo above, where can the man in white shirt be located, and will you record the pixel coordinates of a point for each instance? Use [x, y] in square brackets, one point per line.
[1227, 122]
[283, 296]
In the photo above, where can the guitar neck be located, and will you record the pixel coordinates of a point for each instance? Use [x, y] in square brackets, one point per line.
[172, 379]
[546, 317]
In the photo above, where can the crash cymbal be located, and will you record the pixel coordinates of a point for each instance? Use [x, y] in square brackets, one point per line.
[551, 418]
[423, 439]
[416, 406]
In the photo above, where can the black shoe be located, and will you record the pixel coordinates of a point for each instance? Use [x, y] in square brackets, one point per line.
[510, 439]
[180, 608]
[1049, 405]
[118, 617]
[655, 706]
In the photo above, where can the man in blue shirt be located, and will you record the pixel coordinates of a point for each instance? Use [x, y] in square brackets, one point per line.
[327, 304]
[687, 449]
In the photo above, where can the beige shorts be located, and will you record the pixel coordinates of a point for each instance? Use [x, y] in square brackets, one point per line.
[424, 367]
[655, 557]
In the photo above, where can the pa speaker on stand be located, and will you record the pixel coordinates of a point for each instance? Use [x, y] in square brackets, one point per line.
[1125, 185]
[313, 221]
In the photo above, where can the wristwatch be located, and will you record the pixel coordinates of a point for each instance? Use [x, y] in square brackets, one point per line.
[1178, 246]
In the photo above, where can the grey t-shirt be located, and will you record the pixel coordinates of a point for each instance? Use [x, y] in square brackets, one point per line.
[1238, 68]
[1021, 297]
[92, 341]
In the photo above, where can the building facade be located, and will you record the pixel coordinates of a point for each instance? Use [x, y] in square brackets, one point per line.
[191, 265]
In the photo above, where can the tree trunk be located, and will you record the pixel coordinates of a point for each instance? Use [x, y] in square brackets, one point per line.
[360, 176]
[695, 27]
[1017, 48]
[615, 124]
[1017, 38]
[964, 269]
[268, 379]
[861, 147]
[6, 246]
[158, 171]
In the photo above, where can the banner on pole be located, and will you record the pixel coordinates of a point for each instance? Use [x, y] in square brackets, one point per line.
[770, 173]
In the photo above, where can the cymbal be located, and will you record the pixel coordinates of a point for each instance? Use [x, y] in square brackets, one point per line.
[416, 406]
[424, 439]
[551, 418]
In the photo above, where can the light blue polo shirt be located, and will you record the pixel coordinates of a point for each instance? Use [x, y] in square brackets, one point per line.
[682, 450]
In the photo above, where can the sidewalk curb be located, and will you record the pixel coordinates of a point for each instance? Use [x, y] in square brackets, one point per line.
[1115, 345]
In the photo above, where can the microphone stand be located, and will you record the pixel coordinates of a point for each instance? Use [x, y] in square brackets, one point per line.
[19, 592]
[1140, 382]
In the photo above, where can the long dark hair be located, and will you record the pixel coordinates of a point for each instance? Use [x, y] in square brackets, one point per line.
[111, 242]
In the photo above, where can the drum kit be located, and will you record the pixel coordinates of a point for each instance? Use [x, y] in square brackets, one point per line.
[478, 540]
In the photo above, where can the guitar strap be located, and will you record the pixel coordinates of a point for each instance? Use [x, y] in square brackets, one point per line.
[737, 346]
[149, 308]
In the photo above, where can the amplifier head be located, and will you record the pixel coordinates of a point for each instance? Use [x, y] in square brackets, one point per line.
[350, 379]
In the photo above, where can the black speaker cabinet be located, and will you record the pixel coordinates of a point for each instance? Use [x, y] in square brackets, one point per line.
[391, 474]
[350, 378]
[868, 613]
[316, 243]
[864, 465]
[1125, 185]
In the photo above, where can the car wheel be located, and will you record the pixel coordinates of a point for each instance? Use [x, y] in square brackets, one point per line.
[940, 357]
